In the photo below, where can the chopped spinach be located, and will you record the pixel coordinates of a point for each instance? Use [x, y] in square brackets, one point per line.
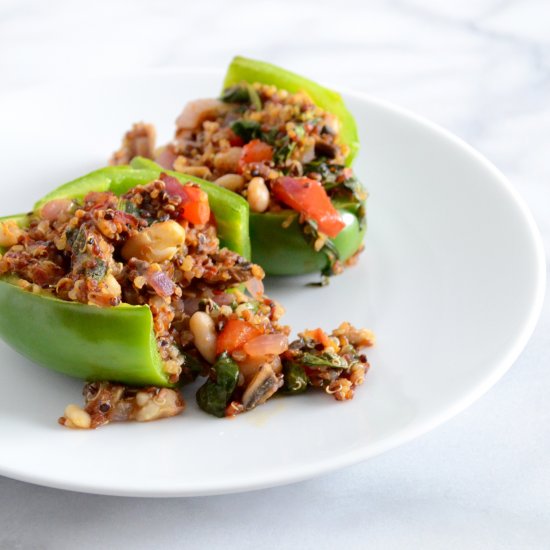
[328, 171]
[324, 359]
[295, 378]
[311, 233]
[236, 94]
[98, 270]
[247, 129]
[357, 190]
[242, 93]
[284, 149]
[193, 365]
[77, 240]
[129, 207]
[215, 394]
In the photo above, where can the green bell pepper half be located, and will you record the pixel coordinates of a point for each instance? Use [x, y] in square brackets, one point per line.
[285, 251]
[242, 69]
[230, 210]
[83, 341]
[93, 343]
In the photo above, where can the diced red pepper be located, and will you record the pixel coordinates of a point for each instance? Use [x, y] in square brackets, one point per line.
[309, 197]
[235, 334]
[194, 205]
[255, 151]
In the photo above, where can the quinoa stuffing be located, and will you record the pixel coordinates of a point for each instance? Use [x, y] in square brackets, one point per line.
[277, 149]
[157, 245]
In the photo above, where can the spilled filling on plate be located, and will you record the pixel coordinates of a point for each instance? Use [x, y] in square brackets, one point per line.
[157, 245]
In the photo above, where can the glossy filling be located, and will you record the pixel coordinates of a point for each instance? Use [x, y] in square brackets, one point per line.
[278, 150]
[156, 245]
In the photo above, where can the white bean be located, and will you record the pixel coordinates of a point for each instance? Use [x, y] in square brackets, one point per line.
[233, 182]
[258, 195]
[9, 233]
[149, 411]
[77, 417]
[156, 243]
[204, 334]
[228, 161]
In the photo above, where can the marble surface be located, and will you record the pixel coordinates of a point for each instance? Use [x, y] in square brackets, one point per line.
[478, 67]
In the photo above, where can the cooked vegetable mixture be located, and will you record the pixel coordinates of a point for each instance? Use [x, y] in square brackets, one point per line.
[157, 245]
[279, 150]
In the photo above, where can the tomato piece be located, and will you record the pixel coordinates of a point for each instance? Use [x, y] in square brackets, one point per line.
[255, 151]
[309, 197]
[234, 139]
[319, 335]
[235, 334]
[194, 205]
[196, 212]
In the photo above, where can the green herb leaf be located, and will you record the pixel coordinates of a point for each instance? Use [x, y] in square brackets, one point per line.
[242, 93]
[311, 233]
[77, 240]
[129, 207]
[270, 137]
[236, 94]
[356, 188]
[98, 270]
[193, 364]
[324, 359]
[295, 378]
[247, 129]
[283, 151]
[328, 172]
[215, 394]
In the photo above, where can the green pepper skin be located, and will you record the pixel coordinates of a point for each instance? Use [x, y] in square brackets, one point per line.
[285, 251]
[93, 343]
[215, 394]
[250, 70]
[87, 342]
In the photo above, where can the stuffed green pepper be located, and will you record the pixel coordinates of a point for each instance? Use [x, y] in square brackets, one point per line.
[285, 144]
[121, 278]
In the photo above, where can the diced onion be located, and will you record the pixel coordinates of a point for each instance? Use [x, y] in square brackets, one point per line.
[255, 287]
[266, 344]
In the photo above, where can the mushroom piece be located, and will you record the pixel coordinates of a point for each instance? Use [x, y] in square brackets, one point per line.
[324, 149]
[264, 384]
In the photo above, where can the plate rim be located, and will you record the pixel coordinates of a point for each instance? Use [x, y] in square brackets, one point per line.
[400, 437]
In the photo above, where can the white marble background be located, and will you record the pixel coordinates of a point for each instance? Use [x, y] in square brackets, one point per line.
[478, 67]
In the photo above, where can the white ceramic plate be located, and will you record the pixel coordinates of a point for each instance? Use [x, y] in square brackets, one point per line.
[451, 281]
